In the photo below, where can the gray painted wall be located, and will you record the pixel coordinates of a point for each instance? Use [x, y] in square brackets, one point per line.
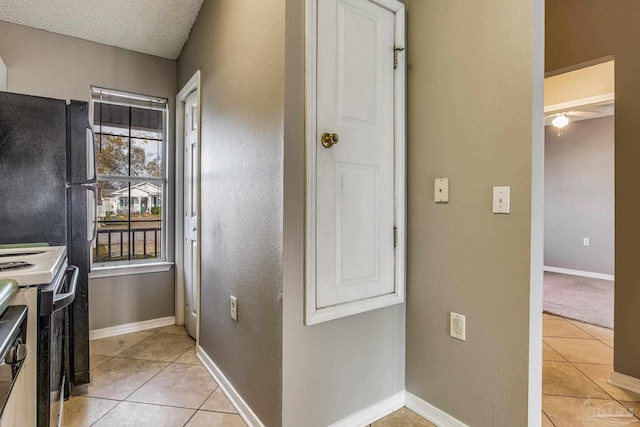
[333, 369]
[52, 65]
[579, 202]
[470, 119]
[239, 47]
[129, 299]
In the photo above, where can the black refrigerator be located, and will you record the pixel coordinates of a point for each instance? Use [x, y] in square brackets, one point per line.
[48, 193]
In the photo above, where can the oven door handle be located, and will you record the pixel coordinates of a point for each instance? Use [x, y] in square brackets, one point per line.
[61, 301]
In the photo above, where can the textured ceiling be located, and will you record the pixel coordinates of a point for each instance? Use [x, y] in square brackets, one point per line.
[156, 27]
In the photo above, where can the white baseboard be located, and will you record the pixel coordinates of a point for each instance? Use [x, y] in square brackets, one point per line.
[245, 412]
[430, 412]
[625, 381]
[361, 418]
[131, 327]
[373, 413]
[590, 274]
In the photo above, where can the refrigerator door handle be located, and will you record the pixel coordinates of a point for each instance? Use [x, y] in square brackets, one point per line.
[94, 234]
[91, 149]
[92, 161]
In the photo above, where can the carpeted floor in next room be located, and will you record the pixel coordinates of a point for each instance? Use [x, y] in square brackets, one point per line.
[580, 298]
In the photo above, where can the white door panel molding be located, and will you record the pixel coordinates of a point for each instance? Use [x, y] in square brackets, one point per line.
[355, 225]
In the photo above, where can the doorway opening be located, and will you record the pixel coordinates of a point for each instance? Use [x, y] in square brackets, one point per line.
[188, 207]
[578, 289]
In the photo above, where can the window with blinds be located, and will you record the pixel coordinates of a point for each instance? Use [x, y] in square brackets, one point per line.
[131, 144]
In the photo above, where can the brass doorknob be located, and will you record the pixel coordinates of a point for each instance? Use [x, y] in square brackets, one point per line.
[329, 139]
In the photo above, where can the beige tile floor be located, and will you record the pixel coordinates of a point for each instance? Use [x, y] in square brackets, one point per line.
[576, 363]
[402, 418]
[153, 378]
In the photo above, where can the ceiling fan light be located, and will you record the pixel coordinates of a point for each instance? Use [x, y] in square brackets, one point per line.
[560, 121]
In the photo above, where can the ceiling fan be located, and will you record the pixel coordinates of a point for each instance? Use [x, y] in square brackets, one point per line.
[562, 119]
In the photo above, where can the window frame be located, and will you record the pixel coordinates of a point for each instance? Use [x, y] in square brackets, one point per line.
[145, 265]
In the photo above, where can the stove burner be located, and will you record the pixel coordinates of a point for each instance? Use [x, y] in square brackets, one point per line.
[14, 254]
[16, 265]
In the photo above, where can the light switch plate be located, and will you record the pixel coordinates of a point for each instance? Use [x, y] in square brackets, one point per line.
[441, 190]
[501, 200]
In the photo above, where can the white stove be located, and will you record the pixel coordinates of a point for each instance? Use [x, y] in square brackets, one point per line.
[32, 266]
[43, 275]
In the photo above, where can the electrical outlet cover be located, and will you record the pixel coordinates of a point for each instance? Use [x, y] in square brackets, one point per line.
[234, 307]
[457, 326]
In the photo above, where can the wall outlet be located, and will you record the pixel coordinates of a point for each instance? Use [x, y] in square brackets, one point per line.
[234, 308]
[586, 241]
[457, 326]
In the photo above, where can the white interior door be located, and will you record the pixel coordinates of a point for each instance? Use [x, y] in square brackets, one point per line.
[191, 190]
[355, 255]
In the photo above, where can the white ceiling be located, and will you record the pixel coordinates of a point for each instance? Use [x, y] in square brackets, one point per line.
[156, 27]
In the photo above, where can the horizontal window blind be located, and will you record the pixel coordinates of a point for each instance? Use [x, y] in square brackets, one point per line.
[114, 97]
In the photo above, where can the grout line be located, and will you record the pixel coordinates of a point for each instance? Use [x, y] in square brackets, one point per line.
[139, 359]
[208, 397]
[591, 363]
[132, 345]
[549, 418]
[93, 397]
[590, 338]
[574, 338]
[575, 361]
[190, 418]
[603, 342]
[143, 384]
[157, 404]
[105, 414]
[146, 403]
[594, 383]
[584, 330]
[577, 397]
[564, 359]
[187, 351]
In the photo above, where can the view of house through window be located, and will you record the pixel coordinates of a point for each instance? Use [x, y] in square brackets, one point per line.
[130, 132]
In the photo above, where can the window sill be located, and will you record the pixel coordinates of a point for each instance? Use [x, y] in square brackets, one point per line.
[129, 269]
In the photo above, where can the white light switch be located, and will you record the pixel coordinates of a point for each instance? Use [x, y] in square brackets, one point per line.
[501, 199]
[441, 190]
[586, 241]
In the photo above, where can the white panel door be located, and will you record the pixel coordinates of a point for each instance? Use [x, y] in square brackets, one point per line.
[191, 190]
[355, 255]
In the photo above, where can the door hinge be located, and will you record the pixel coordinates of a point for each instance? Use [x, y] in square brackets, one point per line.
[395, 56]
[395, 236]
